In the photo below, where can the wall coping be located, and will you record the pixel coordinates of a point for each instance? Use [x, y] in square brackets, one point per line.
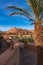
[8, 54]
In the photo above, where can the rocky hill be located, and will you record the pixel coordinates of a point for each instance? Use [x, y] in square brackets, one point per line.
[18, 31]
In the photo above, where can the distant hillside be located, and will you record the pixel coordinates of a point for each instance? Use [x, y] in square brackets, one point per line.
[18, 31]
[1, 32]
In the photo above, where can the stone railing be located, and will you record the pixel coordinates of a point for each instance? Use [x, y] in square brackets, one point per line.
[10, 57]
[28, 55]
[32, 55]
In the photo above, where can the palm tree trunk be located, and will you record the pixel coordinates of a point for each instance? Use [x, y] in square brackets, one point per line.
[38, 31]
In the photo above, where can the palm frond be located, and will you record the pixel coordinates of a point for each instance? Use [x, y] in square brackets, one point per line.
[15, 13]
[21, 13]
[41, 6]
[35, 6]
[19, 9]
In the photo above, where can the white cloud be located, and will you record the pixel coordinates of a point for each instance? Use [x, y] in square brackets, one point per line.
[4, 28]
[26, 27]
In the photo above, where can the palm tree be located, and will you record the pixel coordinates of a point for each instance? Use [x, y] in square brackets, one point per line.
[37, 9]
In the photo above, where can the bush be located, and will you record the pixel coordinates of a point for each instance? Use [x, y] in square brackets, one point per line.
[15, 37]
[31, 40]
[26, 40]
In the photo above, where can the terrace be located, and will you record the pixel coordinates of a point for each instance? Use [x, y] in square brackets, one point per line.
[22, 54]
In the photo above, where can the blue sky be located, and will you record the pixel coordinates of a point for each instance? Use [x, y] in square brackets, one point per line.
[7, 22]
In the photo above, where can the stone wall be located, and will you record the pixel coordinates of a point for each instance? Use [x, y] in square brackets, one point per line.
[4, 46]
[39, 55]
[14, 60]
[28, 55]
[31, 55]
[11, 57]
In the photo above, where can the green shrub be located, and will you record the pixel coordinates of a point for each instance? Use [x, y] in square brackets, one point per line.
[15, 37]
[26, 40]
[31, 40]
[1, 34]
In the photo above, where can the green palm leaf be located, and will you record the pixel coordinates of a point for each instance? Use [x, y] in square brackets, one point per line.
[19, 9]
[15, 13]
[34, 4]
[21, 13]
[36, 7]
